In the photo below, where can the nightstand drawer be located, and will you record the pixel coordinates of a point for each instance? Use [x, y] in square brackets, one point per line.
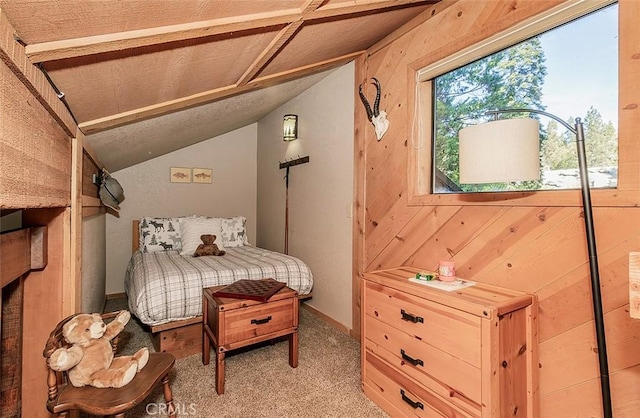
[438, 370]
[253, 321]
[451, 330]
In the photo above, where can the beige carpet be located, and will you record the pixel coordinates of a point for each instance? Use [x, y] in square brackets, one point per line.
[260, 382]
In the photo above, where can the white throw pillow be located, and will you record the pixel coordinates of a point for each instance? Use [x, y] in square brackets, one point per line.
[193, 228]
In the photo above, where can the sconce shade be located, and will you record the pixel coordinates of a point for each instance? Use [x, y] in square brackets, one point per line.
[290, 127]
[500, 151]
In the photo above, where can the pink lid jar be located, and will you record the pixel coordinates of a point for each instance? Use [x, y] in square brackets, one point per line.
[447, 270]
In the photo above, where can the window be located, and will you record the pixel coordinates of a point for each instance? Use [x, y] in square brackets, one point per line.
[565, 64]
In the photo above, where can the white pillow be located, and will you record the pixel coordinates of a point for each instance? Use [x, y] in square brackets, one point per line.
[233, 233]
[193, 228]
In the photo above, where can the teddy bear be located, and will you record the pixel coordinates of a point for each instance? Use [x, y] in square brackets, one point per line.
[90, 360]
[208, 247]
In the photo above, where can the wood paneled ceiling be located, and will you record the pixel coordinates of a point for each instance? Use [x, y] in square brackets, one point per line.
[122, 63]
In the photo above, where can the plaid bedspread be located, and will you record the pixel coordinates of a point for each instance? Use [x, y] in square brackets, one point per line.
[164, 286]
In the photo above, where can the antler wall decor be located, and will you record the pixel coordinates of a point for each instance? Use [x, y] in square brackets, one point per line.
[377, 117]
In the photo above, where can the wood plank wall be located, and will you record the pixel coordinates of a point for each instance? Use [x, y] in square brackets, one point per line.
[45, 171]
[537, 248]
[25, 145]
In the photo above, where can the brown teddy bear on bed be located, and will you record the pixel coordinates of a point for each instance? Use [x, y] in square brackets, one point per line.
[208, 247]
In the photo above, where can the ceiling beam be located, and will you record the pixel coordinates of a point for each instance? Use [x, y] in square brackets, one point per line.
[182, 103]
[270, 51]
[273, 79]
[98, 44]
[69, 48]
[278, 41]
[360, 6]
[12, 53]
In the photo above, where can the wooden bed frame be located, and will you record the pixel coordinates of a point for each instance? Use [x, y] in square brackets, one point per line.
[180, 338]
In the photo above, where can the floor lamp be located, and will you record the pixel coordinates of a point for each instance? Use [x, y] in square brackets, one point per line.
[505, 150]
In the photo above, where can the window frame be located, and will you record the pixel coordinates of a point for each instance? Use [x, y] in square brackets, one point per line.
[420, 152]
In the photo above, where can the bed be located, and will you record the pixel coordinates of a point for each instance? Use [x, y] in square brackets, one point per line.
[164, 282]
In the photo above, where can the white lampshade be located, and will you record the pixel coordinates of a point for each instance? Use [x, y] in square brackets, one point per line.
[500, 151]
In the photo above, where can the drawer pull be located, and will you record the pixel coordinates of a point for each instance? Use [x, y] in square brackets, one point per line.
[414, 361]
[414, 404]
[409, 317]
[261, 321]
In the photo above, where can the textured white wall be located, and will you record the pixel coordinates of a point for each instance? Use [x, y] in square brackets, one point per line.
[320, 192]
[148, 192]
[93, 263]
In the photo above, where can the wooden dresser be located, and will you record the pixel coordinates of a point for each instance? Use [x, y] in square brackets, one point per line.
[432, 353]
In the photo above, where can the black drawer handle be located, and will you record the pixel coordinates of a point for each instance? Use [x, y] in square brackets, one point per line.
[408, 317]
[413, 361]
[261, 321]
[414, 404]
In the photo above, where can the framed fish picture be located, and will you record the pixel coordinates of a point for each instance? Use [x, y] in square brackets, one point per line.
[202, 175]
[180, 175]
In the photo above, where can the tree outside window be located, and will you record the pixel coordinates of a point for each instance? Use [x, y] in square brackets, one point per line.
[516, 77]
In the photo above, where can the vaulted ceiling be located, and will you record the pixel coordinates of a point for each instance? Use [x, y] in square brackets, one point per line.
[146, 77]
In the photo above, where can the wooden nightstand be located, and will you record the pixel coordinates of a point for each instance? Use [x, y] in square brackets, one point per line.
[230, 323]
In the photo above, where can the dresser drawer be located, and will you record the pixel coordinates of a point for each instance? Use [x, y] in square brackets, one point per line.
[451, 330]
[405, 397]
[437, 370]
[253, 321]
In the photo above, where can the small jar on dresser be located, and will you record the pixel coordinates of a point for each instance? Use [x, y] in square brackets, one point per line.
[427, 352]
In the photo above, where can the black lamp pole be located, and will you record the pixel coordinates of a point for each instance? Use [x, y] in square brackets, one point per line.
[578, 131]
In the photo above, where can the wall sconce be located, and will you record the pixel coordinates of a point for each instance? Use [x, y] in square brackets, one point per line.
[290, 127]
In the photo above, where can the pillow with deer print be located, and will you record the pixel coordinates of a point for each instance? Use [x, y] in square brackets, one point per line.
[160, 234]
[233, 231]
